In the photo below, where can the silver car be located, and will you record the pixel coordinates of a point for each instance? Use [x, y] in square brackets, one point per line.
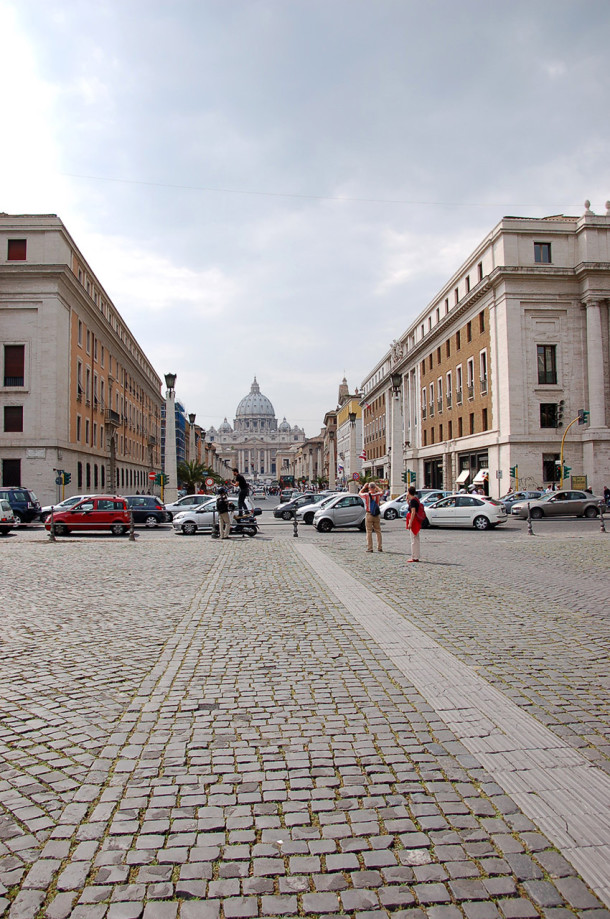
[560, 504]
[343, 511]
[186, 503]
[200, 518]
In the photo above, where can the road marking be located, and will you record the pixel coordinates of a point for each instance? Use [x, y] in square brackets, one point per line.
[553, 784]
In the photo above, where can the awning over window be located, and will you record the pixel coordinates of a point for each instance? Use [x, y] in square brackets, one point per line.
[480, 476]
[463, 477]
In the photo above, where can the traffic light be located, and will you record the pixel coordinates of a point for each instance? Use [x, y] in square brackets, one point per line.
[583, 416]
[412, 476]
[566, 471]
[404, 477]
[560, 408]
[513, 471]
[161, 478]
[67, 478]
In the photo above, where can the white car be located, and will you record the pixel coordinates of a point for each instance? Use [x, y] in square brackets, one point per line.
[390, 510]
[7, 517]
[187, 503]
[308, 511]
[341, 511]
[198, 519]
[61, 506]
[466, 511]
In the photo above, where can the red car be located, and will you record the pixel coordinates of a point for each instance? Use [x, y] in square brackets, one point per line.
[101, 512]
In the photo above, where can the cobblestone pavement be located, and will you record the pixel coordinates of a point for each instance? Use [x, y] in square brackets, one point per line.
[198, 730]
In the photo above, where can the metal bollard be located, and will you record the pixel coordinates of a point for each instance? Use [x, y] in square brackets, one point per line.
[52, 537]
[602, 524]
[530, 531]
[132, 533]
[295, 523]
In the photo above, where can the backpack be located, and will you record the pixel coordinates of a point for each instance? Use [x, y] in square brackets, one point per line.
[374, 507]
[420, 513]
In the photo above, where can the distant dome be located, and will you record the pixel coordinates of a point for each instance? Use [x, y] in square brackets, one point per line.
[284, 427]
[255, 403]
[225, 427]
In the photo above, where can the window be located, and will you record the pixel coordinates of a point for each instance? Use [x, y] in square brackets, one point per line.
[440, 433]
[449, 390]
[458, 339]
[480, 270]
[78, 429]
[88, 342]
[482, 321]
[14, 365]
[450, 432]
[448, 347]
[547, 364]
[16, 251]
[446, 305]
[438, 356]
[11, 473]
[438, 315]
[470, 378]
[431, 359]
[13, 418]
[467, 283]
[460, 428]
[94, 348]
[95, 436]
[550, 467]
[458, 384]
[79, 475]
[483, 371]
[456, 295]
[484, 424]
[425, 438]
[86, 430]
[80, 333]
[542, 253]
[431, 400]
[469, 331]
[429, 323]
[549, 415]
[471, 417]
[88, 468]
[423, 402]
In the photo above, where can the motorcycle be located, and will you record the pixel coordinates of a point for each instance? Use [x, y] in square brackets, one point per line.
[246, 525]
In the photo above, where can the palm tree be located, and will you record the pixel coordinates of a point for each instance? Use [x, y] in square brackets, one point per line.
[193, 474]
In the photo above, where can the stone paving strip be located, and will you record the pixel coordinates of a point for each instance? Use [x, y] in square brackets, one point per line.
[559, 789]
[263, 755]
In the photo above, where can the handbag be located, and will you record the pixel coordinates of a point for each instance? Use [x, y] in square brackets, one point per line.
[374, 508]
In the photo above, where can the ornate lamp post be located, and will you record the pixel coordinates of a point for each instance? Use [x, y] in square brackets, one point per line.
[397, 461]
[331, 460]
[192, 443]
[170, 459]
[352, 486]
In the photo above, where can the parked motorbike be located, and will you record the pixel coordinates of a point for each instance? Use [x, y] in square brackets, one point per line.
[247, 525]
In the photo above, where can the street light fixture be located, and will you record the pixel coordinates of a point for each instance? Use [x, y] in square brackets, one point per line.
[170, 381]
[192, 417]
[352, 418]
[396, 380]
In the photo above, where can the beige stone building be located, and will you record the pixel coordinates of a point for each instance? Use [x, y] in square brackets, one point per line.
[77, 392]
[499, 363]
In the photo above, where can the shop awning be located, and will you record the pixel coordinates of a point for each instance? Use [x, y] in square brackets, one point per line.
[463, 477]
[480, 476]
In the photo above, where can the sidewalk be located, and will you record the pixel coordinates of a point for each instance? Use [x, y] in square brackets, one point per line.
[279, 727]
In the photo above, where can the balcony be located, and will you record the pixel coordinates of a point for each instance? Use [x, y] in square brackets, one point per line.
[112, 418]
[14, 381]
[459, 398]
[423, 412]
[483, 385]
[431, 410]
[470, 389]
[439, 405]
[449, 400]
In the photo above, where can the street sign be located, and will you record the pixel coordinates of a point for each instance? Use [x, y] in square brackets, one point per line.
[58, 480]
[356, 476]
[151, 476]
[209, 482]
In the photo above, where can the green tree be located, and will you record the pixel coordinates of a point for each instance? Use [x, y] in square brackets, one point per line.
[193, 475]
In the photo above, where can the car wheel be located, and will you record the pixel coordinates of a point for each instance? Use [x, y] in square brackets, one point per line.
[18, 519]
[391, 514]
[362, 526]
[117, 529]
[151, 521]
[189, 529]
[308, 519]
[536, 513]
[481, 523]
[425, 524]
[325, 526]
[287, 515]
[4, 531]
[590, 512]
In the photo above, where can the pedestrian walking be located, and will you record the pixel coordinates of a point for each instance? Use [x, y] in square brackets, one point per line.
[414, 522]
[222, 506]
[371, 495]
[242, 507]
[606, 495]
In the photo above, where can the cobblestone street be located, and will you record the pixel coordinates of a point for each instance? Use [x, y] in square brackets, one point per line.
[281, 727]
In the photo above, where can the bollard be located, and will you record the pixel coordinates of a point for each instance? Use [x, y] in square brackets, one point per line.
[530, 531]
[52, 537]
[295, 523]
[602, 524]
[132, 534]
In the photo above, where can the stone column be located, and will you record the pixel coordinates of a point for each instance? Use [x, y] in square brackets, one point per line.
[170, 493]
[397, 440]
[595, 365]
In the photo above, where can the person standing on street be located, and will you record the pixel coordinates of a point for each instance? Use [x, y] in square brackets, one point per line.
[222, 506]
[414, 523]
[371, 496]
[242, 507]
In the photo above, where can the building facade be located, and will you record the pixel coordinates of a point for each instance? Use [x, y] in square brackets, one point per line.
[78, 394]
[494, 370]
[256, 444]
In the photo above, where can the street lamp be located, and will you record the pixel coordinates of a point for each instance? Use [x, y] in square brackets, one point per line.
[171, 460]
[396, 380]
[170, 381]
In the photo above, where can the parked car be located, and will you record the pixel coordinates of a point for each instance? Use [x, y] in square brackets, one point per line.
[513, 496]
[466, 511]
[63, 505]
[343, 511]
[390, 510]
[307, 511]
[100, 512]
[186, 503]
[430, 498]
[199, 518]
[7, 517]
[285, 511]
[24, 503]
[148, 509]
[560, 504]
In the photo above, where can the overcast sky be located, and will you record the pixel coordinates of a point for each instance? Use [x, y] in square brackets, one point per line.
[279, 187]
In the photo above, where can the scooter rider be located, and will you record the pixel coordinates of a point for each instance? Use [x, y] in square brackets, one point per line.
[242, 507]
[222, 505]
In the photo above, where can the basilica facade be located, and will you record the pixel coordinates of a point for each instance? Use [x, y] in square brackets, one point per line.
[256, 444]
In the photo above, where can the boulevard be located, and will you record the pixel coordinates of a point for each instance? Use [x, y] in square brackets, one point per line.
[285, 726]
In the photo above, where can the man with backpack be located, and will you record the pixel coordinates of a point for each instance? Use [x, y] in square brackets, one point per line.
[371, 496]
[415, 518]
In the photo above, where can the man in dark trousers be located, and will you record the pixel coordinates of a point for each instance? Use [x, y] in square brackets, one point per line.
[242, 508]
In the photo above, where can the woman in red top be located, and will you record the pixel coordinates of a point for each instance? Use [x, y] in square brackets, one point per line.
[413, 523]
